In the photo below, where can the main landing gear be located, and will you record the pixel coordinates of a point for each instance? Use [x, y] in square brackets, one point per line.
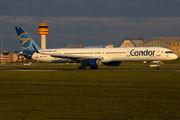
[81, 67]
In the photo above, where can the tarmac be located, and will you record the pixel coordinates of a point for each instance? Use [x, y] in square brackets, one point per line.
[98, 70]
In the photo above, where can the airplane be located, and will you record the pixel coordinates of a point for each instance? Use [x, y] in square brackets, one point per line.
[92, 57]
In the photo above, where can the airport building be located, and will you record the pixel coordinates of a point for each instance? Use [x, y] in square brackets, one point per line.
[75, 45]
[132, 42]
[11, 57]
[172, 43]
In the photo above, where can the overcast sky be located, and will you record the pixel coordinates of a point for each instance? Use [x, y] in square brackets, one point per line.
[91, 22]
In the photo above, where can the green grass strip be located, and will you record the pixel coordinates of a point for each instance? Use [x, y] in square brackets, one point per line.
[89, 95]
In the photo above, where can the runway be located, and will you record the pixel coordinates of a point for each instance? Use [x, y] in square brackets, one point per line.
[88, 70]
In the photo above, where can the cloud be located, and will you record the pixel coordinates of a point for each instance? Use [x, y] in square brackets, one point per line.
[16, 20]
[88, 30]
[91, 8]
[91, 22]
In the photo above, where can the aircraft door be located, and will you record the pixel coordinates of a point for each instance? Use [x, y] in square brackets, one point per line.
[158, 53]
[128, 53]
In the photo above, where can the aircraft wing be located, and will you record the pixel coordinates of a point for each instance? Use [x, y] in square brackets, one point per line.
[74, 57]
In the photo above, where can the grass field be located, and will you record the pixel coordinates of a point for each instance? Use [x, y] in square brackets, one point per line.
[89, 95]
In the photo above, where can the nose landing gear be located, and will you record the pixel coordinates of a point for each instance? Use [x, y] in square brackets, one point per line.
[158, 65]
[157, 68]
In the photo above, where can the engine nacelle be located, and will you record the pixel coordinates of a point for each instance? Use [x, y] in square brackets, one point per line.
[115, 63]
[93, 62]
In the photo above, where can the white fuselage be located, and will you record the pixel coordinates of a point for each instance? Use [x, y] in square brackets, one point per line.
[109, 54]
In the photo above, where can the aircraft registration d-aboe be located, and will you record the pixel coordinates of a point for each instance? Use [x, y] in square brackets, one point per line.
[92, 57]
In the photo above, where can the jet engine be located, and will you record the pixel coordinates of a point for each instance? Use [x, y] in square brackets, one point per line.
[93, 62]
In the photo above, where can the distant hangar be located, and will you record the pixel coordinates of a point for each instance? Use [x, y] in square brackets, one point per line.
[172, 43]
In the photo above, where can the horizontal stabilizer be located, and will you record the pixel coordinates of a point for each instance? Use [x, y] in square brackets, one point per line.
[24, 55]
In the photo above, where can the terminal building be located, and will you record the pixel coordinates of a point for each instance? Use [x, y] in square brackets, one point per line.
[132, 42]
[75, 45]
[11, 57]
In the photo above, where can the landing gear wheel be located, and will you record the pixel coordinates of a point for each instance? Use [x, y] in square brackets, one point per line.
[81, 67]
[157, 68]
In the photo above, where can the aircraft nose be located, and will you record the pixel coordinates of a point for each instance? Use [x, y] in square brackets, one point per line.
[175, 56]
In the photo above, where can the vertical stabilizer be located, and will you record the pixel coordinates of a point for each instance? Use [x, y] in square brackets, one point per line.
[26, 41]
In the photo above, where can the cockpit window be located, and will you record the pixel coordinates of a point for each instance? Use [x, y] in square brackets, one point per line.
[168, 52]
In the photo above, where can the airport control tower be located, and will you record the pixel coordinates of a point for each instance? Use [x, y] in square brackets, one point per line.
[43, 31]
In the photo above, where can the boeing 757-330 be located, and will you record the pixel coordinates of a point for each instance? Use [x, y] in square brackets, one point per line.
[92, 57]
